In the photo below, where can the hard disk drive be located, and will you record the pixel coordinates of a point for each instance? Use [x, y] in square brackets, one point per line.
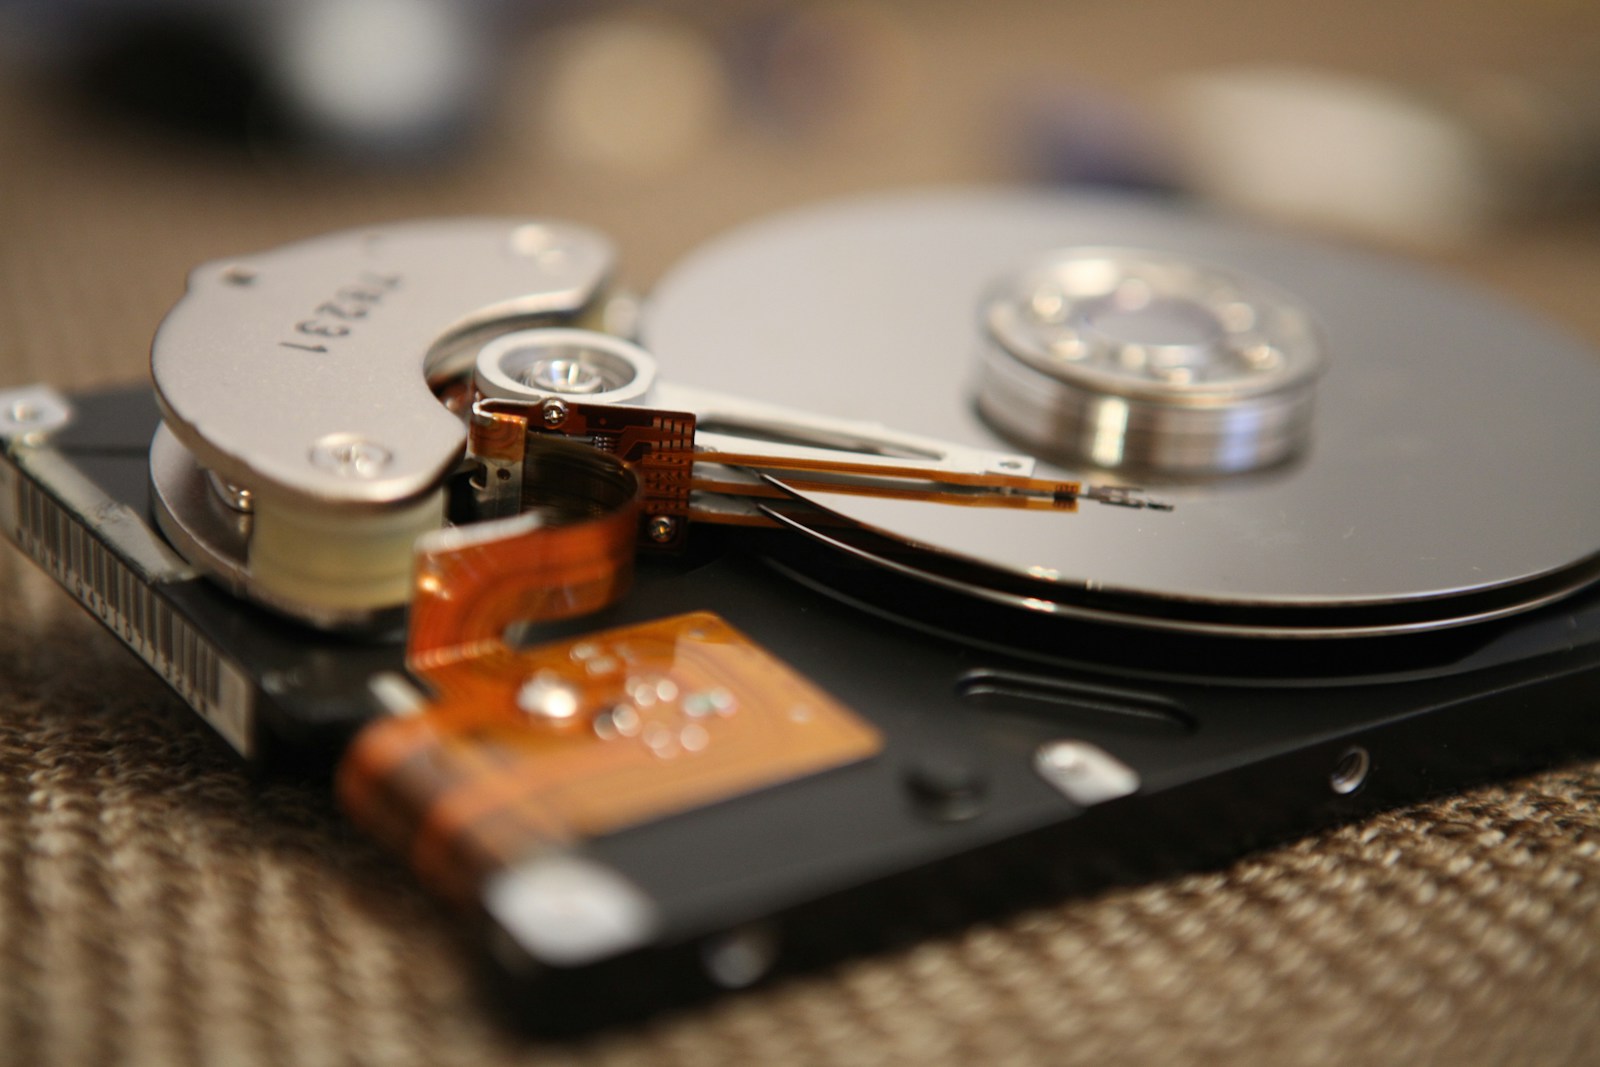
[888, 550]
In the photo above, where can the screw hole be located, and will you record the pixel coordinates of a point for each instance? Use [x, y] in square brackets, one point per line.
[1350, 773]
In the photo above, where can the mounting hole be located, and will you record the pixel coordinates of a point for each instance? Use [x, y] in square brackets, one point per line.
[1350, 773]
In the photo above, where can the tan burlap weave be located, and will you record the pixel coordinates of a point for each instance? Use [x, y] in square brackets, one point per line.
[159, 907]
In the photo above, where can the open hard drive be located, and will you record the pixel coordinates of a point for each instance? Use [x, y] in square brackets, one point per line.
[887, 549]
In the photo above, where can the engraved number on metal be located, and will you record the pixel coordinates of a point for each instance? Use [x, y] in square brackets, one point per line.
[331, 319]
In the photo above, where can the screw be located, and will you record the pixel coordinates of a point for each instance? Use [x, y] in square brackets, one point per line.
[948, 786]
[350, 456]
[32, 412]
[529, 239]
[239, 275]
[661, 528]
[539, 244]
[1048, 305]
[554, 413]
[235, 497]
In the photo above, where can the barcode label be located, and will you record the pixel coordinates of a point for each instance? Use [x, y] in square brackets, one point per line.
[92, 572]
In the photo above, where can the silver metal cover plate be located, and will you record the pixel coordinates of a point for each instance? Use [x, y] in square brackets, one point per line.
[301, 373]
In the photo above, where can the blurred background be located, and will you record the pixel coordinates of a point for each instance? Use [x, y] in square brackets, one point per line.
[138, 137]
[158, 907]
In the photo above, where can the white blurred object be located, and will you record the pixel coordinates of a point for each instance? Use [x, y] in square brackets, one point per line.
[380, 72]
[1433, 168]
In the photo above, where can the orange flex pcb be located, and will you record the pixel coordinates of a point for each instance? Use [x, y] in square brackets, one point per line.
[524, 749]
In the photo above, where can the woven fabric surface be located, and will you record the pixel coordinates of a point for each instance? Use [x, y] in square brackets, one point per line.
[159, 906]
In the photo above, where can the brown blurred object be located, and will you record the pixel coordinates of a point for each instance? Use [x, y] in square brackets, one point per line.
[635, 90]
[157, 907]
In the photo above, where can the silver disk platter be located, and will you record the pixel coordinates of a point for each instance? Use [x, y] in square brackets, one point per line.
[1351, 446]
